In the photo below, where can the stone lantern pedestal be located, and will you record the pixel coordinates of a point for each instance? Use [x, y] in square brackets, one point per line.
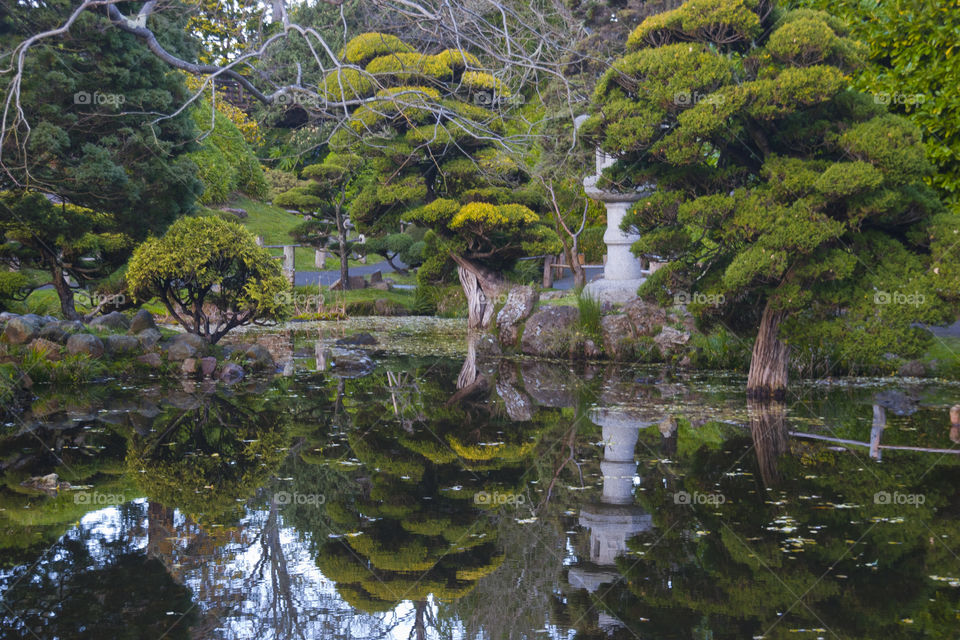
[623, 273]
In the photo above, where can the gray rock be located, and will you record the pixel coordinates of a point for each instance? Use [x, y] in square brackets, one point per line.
[192, 339]
[6, 316]
[591, 350]
[259, 358]
[38, 320]
[518, 405]
[670, 339]
[180, 350]
[231, 373]
[356, 282]
[49, 348]
[189, 366]
[21, 330]
[149, 338]
[121, 345]
[235, 211]
[618, 338]
[380, 286]
[518, 307]
[646, 318]
[151, 360]
[207, 366]
[142, 320]
[85, 343]
[547, 332]
[54, 332]
[376, 277]
[114, 320]
[184, 400]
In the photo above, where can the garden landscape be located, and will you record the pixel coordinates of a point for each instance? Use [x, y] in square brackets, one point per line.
[417, 319]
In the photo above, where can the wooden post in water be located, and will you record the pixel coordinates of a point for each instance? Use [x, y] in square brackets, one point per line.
[548, 272]
[879, 424]
[955, 423]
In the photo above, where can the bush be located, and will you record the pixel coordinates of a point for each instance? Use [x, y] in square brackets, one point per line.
[279, 181]
[590, 311]
[592, 245]
[225, 162]
[11, 283]
[209, 262]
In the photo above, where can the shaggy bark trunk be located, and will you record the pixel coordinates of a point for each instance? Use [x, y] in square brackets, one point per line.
[400, 270]
[65, 293]
[573, 259]
[481, 287]
[768, 429]
[768, 365]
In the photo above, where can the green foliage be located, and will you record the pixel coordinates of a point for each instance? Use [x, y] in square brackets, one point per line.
[88, 100]
[198, 255]
[590, 311]
[225, 161]
[910, 47]
[12, 283]
[778, 187]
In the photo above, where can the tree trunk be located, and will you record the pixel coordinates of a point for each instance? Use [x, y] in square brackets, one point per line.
[771, 357]
[481, 287]
[400, 270]
[573, 259]
[65, 293]
[768, 429]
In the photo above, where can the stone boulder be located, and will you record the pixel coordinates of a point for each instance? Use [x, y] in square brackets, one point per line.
[207, 366]
[21, 330]
[518, 307]
[617, 333]
[86, 344]
[259, 358]
[181, 350]
[376, 277]
[149, 338]
[142, 320]
[356, 282]
[913, 369]
[646, 318]
[351, 363]
[117, 345]
[114, 321]
[231, 373]
[547, 332]
[49, 349]
[671, 340]
[151, 360]
[235, 211]
[518, 405]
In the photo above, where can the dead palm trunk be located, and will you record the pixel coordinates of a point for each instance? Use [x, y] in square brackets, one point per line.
[771, 357]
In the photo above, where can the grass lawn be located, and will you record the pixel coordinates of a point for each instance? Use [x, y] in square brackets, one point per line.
[45, 302]
[273, 224]
[946, 351]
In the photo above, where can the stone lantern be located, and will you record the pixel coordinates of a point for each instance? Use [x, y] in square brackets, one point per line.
[623, 272]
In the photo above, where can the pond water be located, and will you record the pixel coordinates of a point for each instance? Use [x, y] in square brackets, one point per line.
[414, 490]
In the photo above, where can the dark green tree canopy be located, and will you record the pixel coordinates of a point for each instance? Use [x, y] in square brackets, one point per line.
[778, 186]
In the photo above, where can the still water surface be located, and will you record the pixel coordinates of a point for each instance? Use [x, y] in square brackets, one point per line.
[403, 495]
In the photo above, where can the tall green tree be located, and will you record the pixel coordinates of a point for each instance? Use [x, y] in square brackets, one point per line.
[85, 122]
[430, 132]
[797, 200]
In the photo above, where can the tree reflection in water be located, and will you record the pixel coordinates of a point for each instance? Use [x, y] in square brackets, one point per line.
[495, 499]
